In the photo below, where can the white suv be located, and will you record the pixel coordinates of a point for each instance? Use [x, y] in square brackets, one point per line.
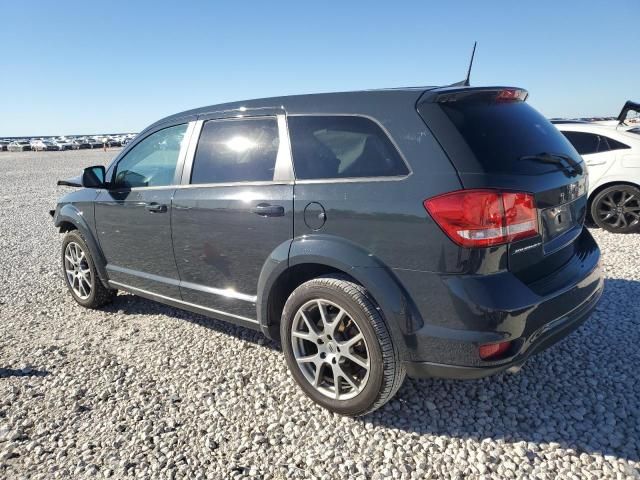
[612, 155]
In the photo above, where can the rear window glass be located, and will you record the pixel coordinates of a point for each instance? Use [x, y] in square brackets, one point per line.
[500, 134]
[342, 147]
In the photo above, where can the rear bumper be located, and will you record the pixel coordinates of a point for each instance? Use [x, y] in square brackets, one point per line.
[541, 339]
[462, 312]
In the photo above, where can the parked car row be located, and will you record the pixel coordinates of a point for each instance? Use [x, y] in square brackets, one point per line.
[65, 143]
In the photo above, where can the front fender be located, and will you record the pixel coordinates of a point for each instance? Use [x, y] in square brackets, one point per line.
[69, 213]
[399, 311]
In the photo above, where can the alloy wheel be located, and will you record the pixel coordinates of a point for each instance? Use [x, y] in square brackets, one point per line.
[330, 349]
[77, 270]
[619, 209]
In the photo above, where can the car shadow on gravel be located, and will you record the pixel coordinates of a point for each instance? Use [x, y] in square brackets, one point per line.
[22, 372]
[128, 304]
[582, 394]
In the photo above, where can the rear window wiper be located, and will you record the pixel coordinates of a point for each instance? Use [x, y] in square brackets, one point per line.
[556, 159]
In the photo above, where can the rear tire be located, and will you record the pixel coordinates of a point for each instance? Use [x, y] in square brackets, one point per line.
[80, 275]
[617, 209]
[338, 347]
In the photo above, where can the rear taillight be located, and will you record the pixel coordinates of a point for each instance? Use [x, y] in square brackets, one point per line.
[482, 218]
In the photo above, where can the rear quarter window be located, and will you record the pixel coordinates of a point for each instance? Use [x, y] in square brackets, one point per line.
[326, 147]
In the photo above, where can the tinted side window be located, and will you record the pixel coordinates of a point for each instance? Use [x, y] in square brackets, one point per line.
[152, 162]
[615, 145]
[584, 143]
[342, 147]
[238, 150]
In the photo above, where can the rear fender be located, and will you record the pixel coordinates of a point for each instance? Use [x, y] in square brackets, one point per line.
[400, 313]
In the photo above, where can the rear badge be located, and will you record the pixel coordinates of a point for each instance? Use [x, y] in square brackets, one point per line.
[527, 248]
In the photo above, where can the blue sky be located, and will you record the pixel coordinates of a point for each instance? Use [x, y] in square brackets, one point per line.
[90, 67]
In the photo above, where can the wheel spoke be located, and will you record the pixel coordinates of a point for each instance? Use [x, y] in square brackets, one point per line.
[87, 282]
[323, 316]
[312, 328]
[364, 363]
[307, 359]
[623, 219]
[317, 373]
[617, 222]
[309, 336]
[352, 341]
[630, 197]
[336, 381]
[343, 374]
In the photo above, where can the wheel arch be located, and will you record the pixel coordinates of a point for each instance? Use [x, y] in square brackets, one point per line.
[69, 218]
[317, 255]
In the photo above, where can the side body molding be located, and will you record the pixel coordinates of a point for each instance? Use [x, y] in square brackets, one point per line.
[69, 213]
[400, 313]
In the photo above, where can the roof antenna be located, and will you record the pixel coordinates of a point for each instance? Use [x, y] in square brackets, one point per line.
[473, 54]
[466, 82]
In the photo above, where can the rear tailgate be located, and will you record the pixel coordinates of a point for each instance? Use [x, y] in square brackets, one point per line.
[496, 140]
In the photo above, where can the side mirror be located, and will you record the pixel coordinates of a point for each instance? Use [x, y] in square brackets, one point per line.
[93, 177]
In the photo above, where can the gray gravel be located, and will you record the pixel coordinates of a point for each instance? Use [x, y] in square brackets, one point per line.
[143, 390]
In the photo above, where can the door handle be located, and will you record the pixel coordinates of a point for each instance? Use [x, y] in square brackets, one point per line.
[591, 163]
[268, 210]
[154, 207]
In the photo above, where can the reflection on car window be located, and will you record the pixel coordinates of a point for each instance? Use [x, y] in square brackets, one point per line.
[152, 162]
[236, 151]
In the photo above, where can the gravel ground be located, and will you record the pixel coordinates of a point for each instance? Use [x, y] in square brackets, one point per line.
[144, 390]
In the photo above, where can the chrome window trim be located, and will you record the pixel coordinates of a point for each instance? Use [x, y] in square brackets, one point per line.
[177, 175]
[396, 178]
[283, 171]
[181, 302]
[191, 153]
[393, 178]
[232, 184]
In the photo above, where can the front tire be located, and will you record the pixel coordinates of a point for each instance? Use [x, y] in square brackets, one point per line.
[617, 209]
[79, 270]
[338, 347]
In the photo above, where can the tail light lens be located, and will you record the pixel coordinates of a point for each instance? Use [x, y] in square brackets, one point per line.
[483, 218]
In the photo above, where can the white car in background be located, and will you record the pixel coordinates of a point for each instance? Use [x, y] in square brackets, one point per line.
[612, 156]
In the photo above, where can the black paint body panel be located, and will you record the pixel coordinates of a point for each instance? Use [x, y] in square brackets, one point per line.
[440, 300]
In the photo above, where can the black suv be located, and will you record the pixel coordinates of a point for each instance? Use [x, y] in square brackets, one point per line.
[427, 231]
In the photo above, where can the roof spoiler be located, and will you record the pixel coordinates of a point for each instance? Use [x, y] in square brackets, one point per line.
[628, 107]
